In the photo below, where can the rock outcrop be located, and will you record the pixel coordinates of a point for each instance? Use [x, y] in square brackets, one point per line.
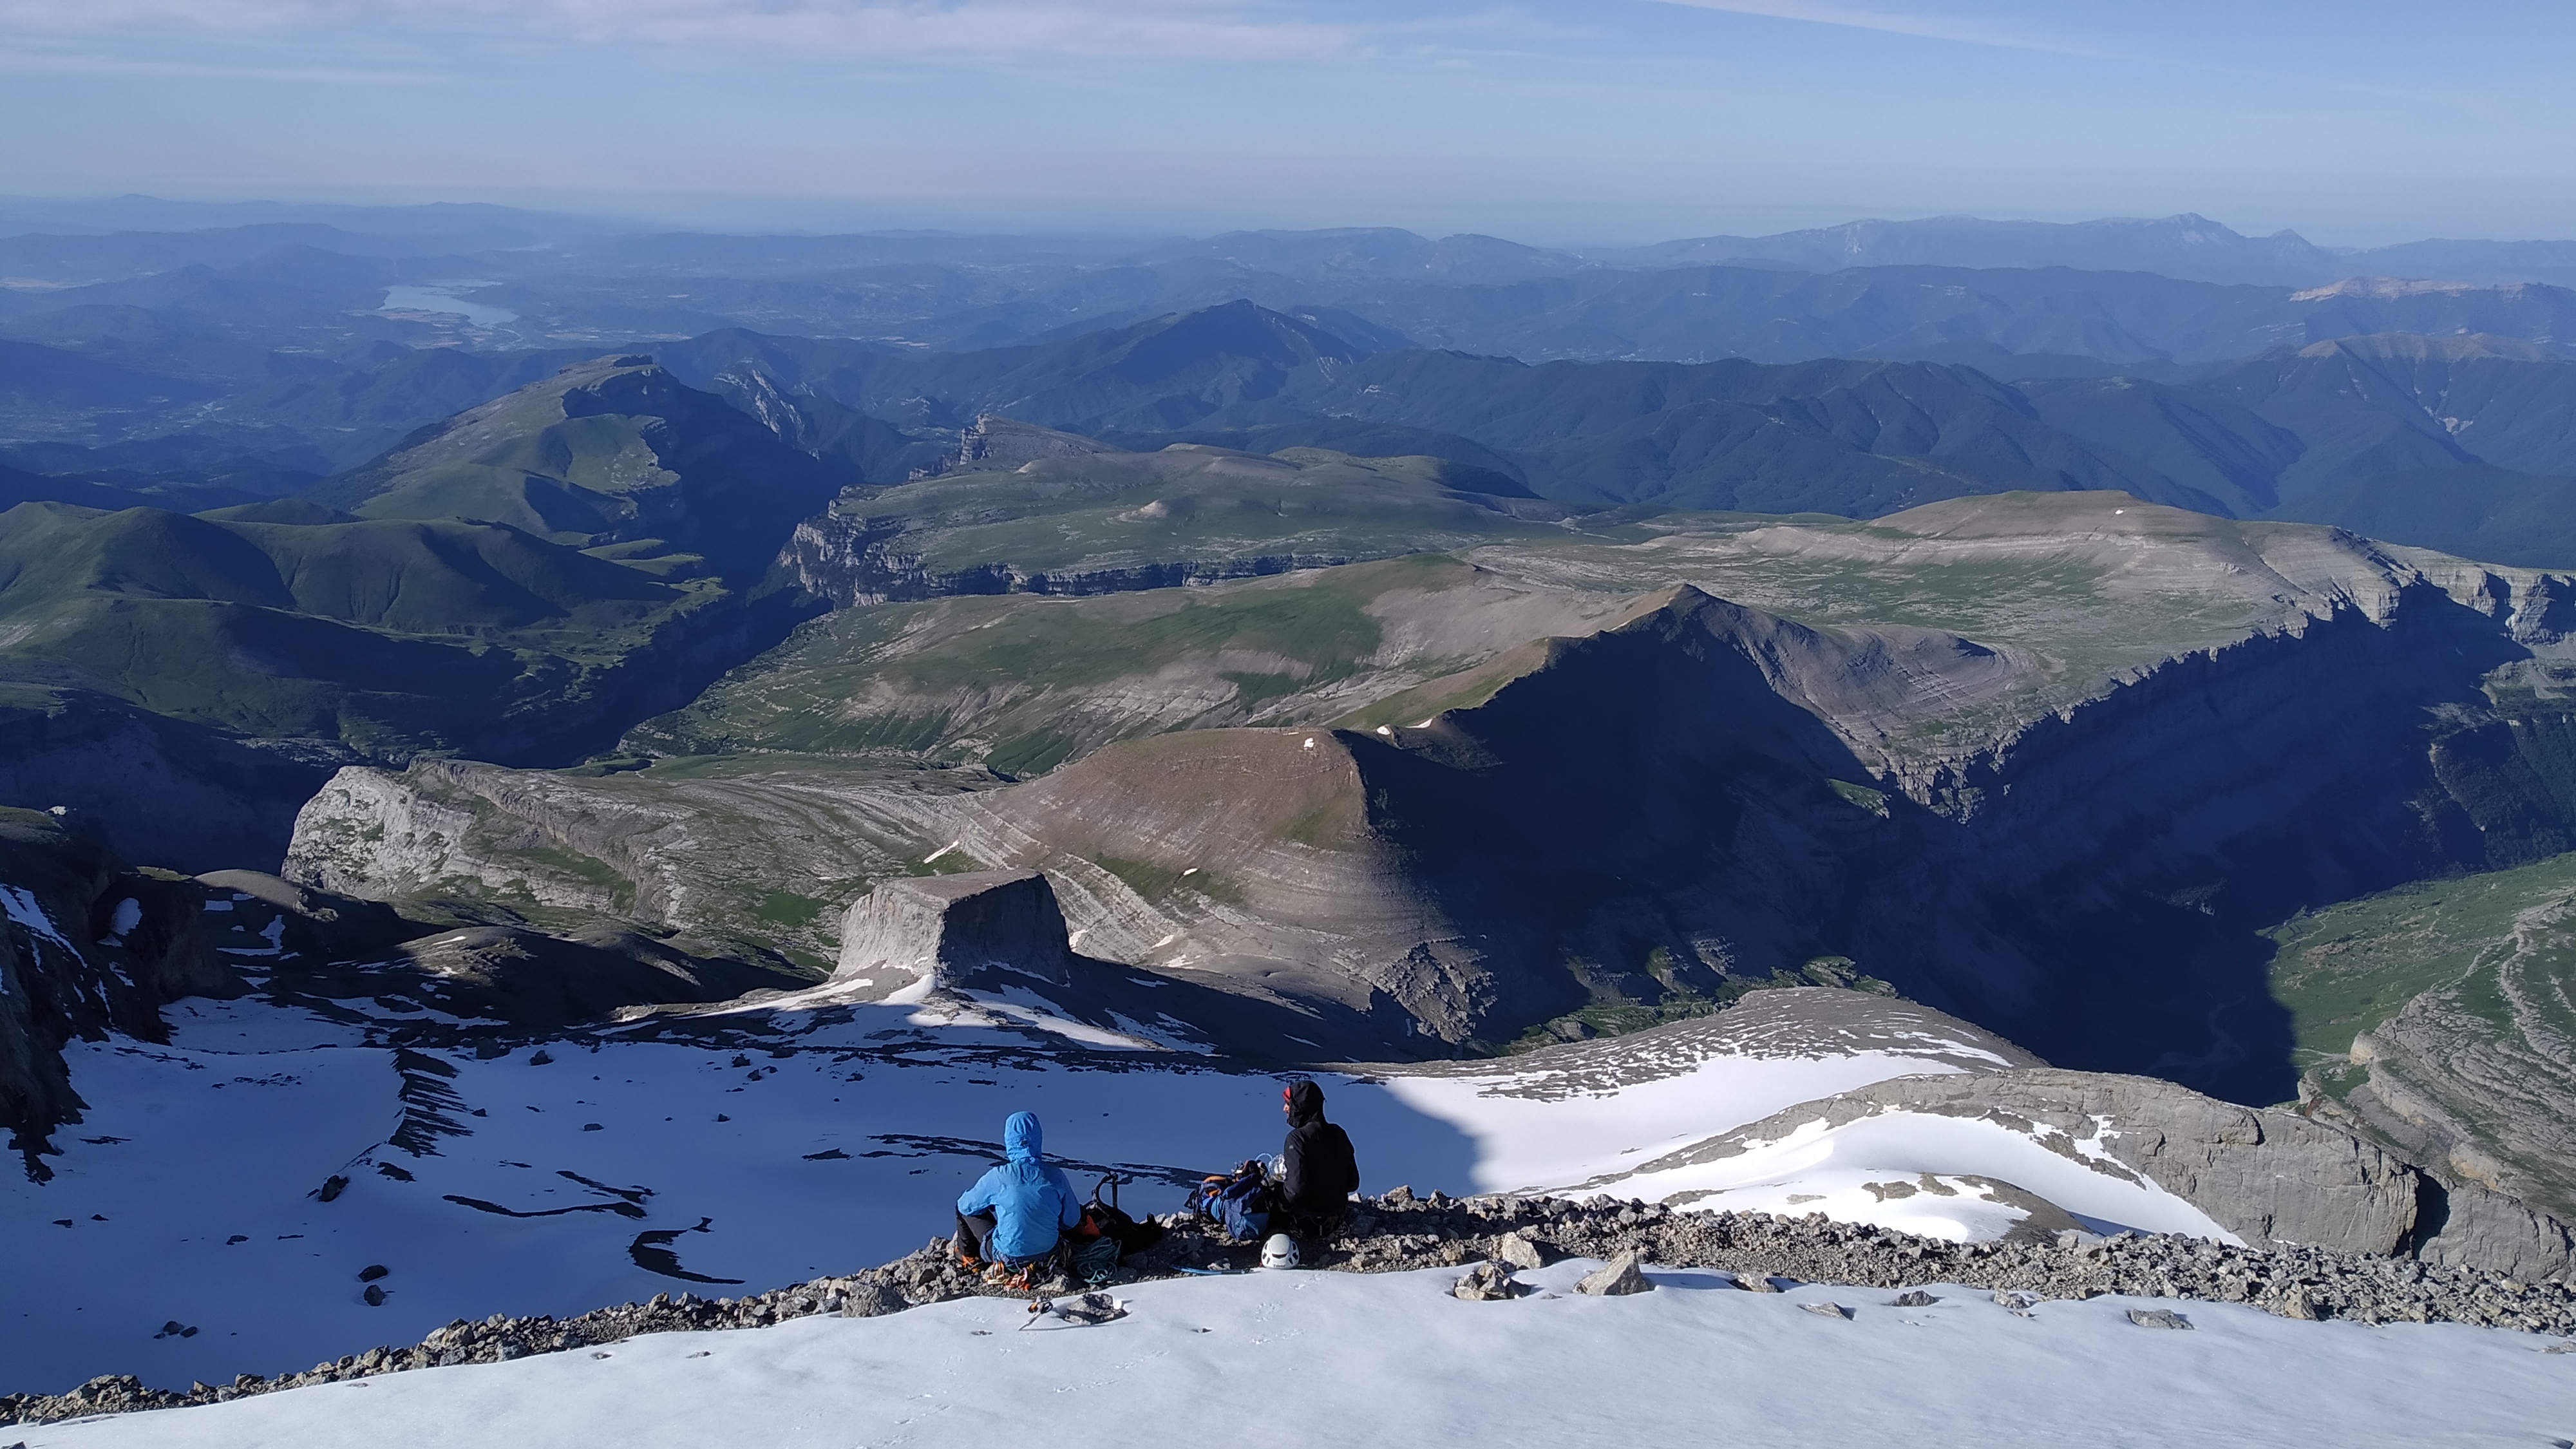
[980, 930]
[87, 947]
[756, 860]
[254, 912]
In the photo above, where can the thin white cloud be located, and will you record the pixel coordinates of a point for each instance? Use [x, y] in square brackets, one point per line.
[1207, 29]
[1891, 22]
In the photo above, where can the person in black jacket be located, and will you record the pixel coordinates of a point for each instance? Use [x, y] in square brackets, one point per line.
[1318, 1171]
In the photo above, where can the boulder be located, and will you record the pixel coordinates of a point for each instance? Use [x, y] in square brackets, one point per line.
[1484, 1283]
[1520, 1250]
[1617, 1278]
[984, 929]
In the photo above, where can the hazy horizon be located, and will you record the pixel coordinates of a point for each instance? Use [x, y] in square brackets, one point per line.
[796, 216]
[1549, 122]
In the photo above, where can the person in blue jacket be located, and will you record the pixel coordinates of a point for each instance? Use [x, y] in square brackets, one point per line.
[1015, 1214]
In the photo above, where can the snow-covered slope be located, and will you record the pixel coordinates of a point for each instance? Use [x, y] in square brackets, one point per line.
[772, 1148]
[1308, 1358]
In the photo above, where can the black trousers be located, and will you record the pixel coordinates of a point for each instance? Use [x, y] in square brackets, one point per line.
[1312, 1225]
[975, 1235]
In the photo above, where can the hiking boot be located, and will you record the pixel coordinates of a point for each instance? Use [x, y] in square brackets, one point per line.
[1003, 1275]
[968, 1262]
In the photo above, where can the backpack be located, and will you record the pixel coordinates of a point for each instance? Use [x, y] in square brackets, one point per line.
[1102, 1218]
[1239, 1202]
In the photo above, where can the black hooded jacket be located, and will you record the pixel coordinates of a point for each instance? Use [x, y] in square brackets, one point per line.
[1317, 1163]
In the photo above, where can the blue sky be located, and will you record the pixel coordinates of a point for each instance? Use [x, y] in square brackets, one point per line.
[1616, 120]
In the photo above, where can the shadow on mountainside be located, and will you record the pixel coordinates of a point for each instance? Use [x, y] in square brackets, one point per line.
[1662, 807]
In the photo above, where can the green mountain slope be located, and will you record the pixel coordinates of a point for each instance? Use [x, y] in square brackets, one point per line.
[1029, 509]
[386, 636]
[519, 583]
[1855, 438]
[1158, 375]
[612, 454]
[1024, 682]
[2434, 1017]
[2474, 511]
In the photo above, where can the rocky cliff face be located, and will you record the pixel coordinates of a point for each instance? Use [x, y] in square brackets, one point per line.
[757, 858]
[86, 947]
[856, 560]
[980, 929]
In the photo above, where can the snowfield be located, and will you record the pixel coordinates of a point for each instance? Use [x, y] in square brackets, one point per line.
[559, 1179]
[1309, 1358]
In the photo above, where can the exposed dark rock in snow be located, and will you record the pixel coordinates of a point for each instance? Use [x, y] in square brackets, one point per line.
[320, 923]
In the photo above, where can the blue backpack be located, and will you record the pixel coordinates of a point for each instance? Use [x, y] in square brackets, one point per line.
[1237, 1202]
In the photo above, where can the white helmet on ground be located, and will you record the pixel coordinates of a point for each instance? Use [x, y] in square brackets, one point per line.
[1279, 1252]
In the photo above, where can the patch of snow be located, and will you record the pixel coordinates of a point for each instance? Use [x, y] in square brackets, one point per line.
[1830, 1167]
[24, 909]
[1534, 1143]
[1031, 1009]
[275, 934]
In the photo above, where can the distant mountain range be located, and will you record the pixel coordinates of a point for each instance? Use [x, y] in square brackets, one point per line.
[2186, 246]
[295, 347]
[153, 234]
[2482, 428]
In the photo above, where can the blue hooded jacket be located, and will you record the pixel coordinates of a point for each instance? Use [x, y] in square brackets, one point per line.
[1030, 1201]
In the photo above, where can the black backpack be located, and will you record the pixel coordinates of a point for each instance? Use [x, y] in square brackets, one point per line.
[1102, 1217]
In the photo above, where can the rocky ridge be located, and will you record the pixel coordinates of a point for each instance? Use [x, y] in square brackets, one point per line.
[1399, 1232]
